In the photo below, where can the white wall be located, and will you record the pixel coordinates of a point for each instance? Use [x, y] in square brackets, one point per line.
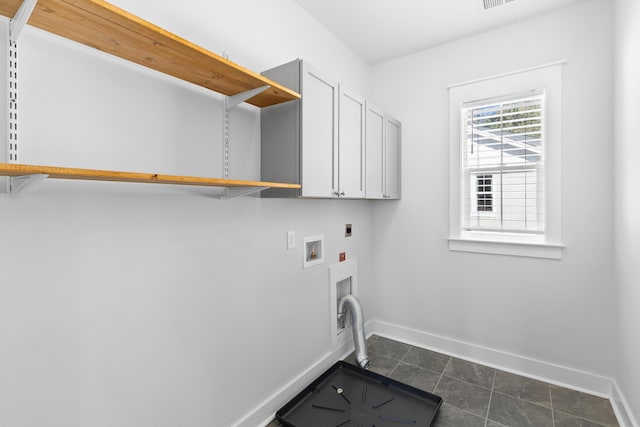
[257, 35]
[119, 303]
[560, 313]
[135, 305]
[627, 204]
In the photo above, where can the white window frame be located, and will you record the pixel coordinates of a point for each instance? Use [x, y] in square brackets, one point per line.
[547, 245]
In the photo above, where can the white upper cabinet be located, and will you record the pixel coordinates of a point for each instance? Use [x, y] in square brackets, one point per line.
[392, 169]
[319, 134]
[351, 150]
[375, 153]
[383, 138]
[300, 138]
[329, 141]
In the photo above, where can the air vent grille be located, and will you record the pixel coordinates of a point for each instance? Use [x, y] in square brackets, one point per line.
[490, 4]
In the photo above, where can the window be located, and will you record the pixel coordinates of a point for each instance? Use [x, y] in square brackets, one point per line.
[504, 138]
[505, 164]
[483, 194]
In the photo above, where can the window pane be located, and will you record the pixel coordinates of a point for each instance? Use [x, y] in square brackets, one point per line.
[503, 164]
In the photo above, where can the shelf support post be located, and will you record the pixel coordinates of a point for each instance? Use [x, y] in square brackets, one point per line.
[12, 99]
[16, 25]
[14, 29]
[229, 103]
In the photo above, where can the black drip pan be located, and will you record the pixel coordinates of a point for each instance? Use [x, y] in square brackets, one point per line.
[346, 395]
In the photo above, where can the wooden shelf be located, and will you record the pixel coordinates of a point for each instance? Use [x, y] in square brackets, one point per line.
[110, 29]
[9, 169]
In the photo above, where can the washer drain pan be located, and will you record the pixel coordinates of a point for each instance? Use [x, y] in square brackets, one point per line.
[349, 396]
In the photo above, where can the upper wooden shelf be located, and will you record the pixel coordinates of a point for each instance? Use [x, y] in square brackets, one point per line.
[10, 169]
[110, 29]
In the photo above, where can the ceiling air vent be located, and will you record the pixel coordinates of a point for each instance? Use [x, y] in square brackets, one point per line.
[490, 4]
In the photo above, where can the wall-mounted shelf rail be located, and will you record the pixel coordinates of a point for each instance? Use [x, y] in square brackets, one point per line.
[105, 27]
[17, 170]
[108, 28]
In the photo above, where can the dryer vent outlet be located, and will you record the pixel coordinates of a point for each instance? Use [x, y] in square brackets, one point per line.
[343, 288]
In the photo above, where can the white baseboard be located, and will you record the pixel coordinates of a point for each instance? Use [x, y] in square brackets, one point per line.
[264, 413]
[621, 407]
[544, 371]
[517, 364]
[532, 368]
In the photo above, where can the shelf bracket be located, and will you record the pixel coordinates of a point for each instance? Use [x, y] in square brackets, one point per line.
[232, 193]
[17, 23]
[22, 182]
[239, 98]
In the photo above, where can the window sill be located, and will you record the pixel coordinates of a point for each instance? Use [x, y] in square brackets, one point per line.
[521, 248]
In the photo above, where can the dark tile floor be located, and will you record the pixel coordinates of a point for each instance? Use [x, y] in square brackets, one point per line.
[476, 395]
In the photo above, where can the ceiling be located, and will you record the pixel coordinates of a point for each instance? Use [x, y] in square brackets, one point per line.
[379, 30]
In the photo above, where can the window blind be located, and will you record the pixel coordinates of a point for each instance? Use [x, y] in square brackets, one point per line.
[503, 164]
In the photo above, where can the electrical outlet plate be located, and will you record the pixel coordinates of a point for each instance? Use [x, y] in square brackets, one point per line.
[347, 230]
[291, 239]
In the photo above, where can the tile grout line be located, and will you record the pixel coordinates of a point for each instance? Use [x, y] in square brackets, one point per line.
[422, 367]
[442, 374]
[394, 368]
[472, 413]
[397, 362]
[493, 383]
[405, 355]
[553, 418]
[579, 417]
[582, 416]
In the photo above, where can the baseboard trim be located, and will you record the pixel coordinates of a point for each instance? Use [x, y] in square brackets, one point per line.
[517, 364]
[621, 407]
[559, 375]
[544, 371]
[262, 414]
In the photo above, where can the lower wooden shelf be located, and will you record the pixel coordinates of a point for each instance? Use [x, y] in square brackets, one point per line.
[10, 169]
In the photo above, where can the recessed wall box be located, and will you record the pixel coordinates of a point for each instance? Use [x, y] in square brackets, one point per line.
[313, 251]
[343, 280]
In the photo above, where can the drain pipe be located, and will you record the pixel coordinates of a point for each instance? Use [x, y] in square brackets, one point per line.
[351, 303]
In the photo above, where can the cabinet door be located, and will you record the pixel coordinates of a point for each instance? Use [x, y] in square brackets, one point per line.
[351, 143]
[392, 169]
[319, 150]
[374, 152]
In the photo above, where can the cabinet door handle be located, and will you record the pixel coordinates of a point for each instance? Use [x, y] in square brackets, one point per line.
[342, 193]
